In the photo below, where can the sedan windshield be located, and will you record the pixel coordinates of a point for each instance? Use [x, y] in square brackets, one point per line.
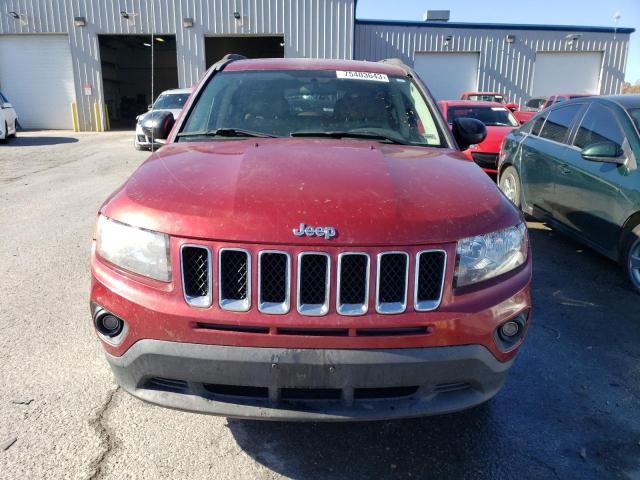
[490, 116]
[170, 101]
[312, 103]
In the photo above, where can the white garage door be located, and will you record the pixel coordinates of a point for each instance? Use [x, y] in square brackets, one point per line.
[576, 72]
[37, 77]
[447, 75]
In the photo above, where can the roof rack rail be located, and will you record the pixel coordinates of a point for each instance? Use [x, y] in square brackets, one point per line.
[394, 61]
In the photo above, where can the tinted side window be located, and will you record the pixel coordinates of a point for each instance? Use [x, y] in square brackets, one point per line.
[558, 122]
[598, 125]
[537, 124]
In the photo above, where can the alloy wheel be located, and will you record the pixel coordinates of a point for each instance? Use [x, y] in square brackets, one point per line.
[634, 263]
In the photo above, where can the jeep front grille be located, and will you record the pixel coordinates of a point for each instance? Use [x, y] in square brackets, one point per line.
[429, 279]
[196, 275]
[274, 273]
[310, 276]
[353, 284]
[234, 277]
[313, 283]
[391, 284]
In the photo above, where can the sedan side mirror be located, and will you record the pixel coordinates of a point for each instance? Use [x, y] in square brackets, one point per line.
[512, 106]
[150, 107]
[157, 124]
[7, 105]
[608, 152]
[468, 131]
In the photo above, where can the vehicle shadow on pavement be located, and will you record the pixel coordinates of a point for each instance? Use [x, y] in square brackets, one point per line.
[22, 141]
[570, 407]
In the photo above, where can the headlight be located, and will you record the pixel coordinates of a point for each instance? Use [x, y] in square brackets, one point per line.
[140, 251]
[487, 256]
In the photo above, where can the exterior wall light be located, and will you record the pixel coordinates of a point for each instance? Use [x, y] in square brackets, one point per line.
[187, 22]
[80, 21]
[510, 38]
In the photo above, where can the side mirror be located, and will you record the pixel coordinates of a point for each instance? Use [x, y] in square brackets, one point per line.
[468, 131]
[7, 105]
[511, 106]
[608, 152]
[150, 106]
[157, 124]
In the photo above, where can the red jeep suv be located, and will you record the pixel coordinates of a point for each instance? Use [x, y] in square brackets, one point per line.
[310, 244]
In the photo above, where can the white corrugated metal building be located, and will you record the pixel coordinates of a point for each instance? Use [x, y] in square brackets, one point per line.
[96, 54]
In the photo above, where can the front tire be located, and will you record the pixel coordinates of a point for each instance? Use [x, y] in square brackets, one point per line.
[631, 258]
[510, 185]
[15, 129]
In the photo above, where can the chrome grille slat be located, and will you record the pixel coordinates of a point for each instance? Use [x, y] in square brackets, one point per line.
[392, 282]
[195, 263]
[352, 297]
[429, 279]
[274, 282]
[314, 273]
[234, 279]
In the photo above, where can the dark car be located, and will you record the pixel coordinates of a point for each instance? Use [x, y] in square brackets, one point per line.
[575, 165]
[561, 97]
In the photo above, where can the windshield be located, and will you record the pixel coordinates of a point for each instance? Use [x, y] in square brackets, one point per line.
[635, 116]
[490, 116]
[311, 103]
[170, 101]
[486, 97]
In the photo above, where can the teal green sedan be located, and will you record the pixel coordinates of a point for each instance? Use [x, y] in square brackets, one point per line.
[575, 166]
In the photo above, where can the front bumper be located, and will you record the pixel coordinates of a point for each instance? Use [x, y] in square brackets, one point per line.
[143, 141]
[309, 384]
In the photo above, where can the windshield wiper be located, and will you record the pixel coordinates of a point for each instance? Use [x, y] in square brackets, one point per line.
[226, 132]
[347, 134]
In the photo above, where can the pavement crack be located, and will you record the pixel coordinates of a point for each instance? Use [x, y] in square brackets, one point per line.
[104, 433]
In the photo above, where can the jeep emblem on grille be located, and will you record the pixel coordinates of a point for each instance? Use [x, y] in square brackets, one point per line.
[307, 230]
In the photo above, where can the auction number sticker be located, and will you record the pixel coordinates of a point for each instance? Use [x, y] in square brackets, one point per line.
[376, 77]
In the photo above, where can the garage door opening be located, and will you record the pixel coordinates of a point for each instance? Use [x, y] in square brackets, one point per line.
[566, 72]
[270, 46]
[126, 74]
[36, 75]
[448, 75]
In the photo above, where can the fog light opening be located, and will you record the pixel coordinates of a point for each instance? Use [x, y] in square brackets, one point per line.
[509, 329]
[109, 325]
[510, 333]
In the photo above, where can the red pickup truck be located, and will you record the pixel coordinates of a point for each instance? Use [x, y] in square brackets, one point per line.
[495, 97]
[310, 244]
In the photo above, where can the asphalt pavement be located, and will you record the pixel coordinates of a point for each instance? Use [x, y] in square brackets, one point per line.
[570, 408]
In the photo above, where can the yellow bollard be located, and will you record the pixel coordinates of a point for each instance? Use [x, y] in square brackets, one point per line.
[74, 117]
[96, 115]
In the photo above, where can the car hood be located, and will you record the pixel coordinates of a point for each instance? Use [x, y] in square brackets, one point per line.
[259, 190]
[495, 135]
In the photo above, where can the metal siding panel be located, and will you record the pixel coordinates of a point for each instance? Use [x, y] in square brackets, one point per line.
[506, 67]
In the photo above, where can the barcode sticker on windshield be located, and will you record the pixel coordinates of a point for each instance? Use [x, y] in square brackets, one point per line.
[376, 77]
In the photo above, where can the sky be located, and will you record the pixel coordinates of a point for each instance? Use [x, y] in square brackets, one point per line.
[559, 12]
